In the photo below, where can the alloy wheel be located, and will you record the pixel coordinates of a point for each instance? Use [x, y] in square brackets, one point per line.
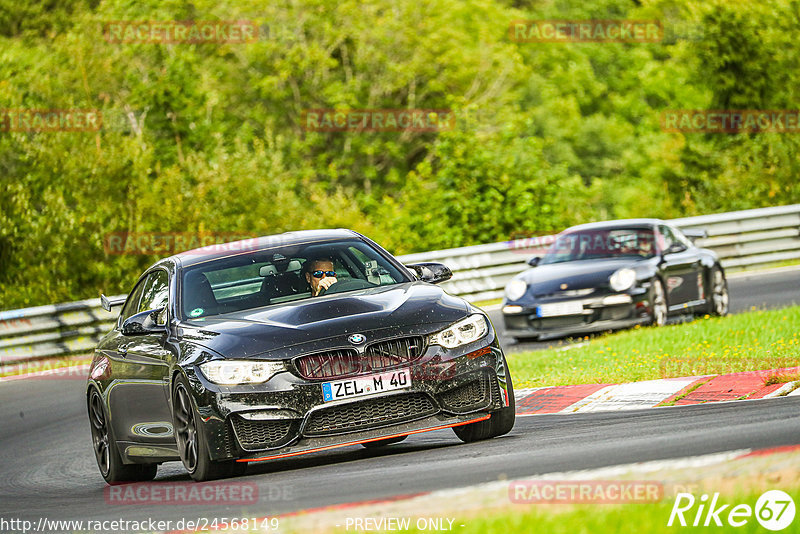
[186, 430]
[100, 437]
[720, 294]
[659, 304]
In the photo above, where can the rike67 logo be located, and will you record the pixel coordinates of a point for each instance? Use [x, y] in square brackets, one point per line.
[774, 510]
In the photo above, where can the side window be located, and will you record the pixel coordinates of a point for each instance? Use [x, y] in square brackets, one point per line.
[682, 238]
[156, 294]
[666, 238]
[132, 304]
[375, 272]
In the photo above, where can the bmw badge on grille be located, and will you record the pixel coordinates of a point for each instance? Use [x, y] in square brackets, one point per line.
[356, 339]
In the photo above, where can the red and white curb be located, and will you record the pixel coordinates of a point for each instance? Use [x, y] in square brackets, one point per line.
[651, 393]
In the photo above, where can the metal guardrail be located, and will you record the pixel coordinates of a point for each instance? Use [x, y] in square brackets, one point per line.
[52, 330]
[743, 239]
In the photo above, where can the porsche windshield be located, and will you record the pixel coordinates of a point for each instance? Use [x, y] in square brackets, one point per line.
[602, 243]
[283, 274]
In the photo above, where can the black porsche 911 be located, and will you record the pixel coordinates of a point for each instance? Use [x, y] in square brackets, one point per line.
[303, 342]
[616, 274]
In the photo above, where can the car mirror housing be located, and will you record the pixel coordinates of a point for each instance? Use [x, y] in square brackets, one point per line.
[433, 273]
[534, 261]
[675, 248]
[142, 323]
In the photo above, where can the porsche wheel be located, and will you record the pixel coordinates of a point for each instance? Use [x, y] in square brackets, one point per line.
[719, 293]
[658, 299]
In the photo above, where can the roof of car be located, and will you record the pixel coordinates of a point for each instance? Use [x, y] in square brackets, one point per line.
[618, 223]
[199, 255]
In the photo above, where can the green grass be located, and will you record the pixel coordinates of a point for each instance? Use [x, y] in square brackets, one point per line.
[485, 303]
[749, 341]
[611, 519]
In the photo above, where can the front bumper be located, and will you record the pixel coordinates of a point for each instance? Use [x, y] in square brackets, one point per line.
[595, 317]
[287, 416]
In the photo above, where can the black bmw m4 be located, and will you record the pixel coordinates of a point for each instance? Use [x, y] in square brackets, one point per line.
[287, 345]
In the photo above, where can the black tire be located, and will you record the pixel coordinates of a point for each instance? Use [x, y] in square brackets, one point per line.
[383, 442]
[658, 303]
[719, 302]
[109, 461]
[192, 441]
[501, 422]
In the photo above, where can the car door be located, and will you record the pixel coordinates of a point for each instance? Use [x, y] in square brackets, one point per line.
[680, 267]
[139, 399]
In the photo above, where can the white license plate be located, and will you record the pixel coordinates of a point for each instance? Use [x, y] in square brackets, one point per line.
[573, 307]
[366, 385]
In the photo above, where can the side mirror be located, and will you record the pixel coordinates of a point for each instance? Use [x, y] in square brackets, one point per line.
[142, 323]
[675, 248]
[431, 272]
[534, 261]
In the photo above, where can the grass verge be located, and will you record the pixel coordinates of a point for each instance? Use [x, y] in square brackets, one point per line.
[650, 518]
[751, 341]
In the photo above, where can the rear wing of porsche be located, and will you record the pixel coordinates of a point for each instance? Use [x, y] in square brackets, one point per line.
[109, 302]
[695, 233]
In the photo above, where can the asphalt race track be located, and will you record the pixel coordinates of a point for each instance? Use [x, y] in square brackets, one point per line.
[47, 468]
[766, 290]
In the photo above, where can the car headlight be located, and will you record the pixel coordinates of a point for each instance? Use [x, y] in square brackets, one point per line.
[515, 289]
[622, 279]
[465, 331]
[233, 372]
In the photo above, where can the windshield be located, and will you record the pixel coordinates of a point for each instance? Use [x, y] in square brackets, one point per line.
[284, 274]
[602, 243]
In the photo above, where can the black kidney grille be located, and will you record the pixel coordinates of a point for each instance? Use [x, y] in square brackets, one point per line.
[256, 435]
[393, 352]
[369, 413]
[473, 395]
[331, 364]
[347, 362]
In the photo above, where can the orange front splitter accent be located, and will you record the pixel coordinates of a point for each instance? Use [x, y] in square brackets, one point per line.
[358, 442]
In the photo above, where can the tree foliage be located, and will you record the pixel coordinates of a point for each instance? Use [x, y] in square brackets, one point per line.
[209, 137]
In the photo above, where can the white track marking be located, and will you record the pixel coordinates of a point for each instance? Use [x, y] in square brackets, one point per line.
[522, 393]
[630, 396]
[781, 391]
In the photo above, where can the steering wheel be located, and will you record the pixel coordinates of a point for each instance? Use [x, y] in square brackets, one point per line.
[346, 285]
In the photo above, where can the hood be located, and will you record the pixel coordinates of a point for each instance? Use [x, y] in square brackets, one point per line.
[547, 279]
[325, 322]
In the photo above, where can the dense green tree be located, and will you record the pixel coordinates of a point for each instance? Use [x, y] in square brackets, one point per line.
[209, 137]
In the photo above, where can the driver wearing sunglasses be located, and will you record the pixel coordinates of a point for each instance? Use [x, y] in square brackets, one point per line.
[320, 275]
